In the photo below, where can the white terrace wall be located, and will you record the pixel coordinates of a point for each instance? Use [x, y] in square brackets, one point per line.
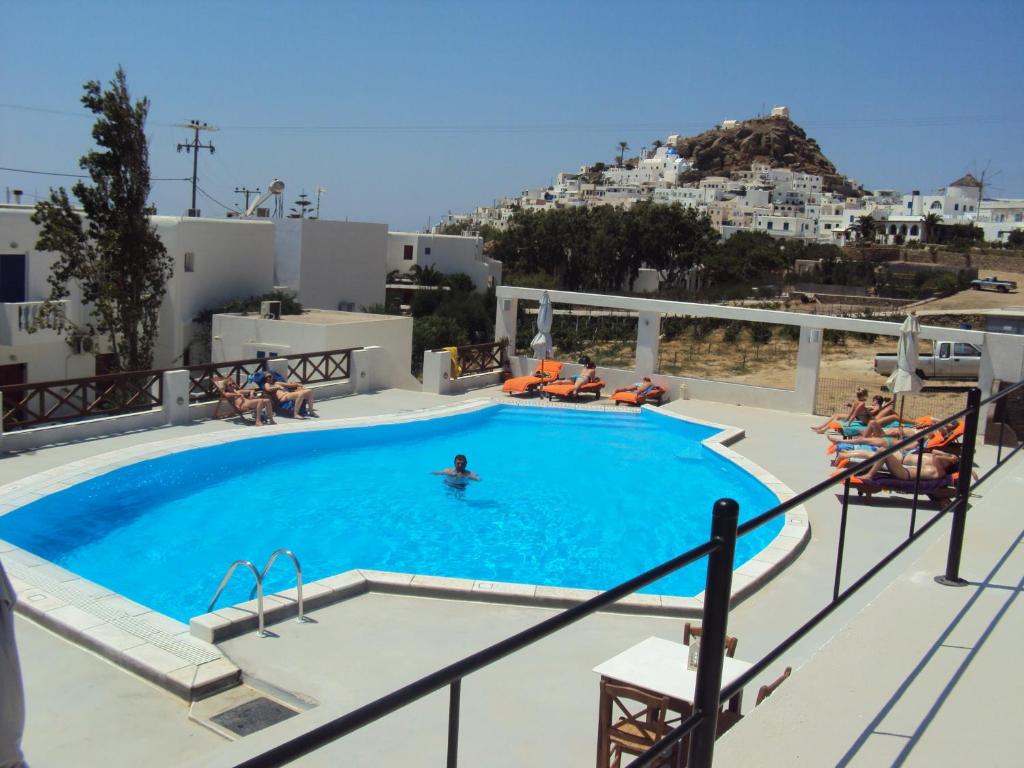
[1002, 354]
[240, 337]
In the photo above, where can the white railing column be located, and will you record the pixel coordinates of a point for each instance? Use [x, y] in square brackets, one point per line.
[505, 322]
[808, 359]
[648, 333]
[437, 368]
[175, 395]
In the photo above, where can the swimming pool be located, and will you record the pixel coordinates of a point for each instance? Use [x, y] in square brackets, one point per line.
[568, 498]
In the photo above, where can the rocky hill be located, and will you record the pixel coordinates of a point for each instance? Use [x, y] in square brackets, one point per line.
[775, 140]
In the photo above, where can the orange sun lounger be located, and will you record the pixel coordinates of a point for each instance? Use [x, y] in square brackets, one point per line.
[548, 370]
[654, 395]
[564, 391]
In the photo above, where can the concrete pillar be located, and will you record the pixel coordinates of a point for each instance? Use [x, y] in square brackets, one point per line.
[365, 369]
[1002, 359]
[176, 385]
[505, 322]
[808, 359]
[437, 372]
[648, 331]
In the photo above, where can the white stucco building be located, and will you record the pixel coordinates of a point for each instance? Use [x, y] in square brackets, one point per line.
[215, 260]
[331, 264]
[448, 254]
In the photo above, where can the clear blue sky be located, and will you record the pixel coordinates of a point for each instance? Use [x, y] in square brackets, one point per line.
[405, 110]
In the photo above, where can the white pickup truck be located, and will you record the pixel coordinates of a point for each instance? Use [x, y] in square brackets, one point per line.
[993, 283]
[948, 360]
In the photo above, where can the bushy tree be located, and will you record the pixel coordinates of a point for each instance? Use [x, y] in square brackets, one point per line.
[112, 253]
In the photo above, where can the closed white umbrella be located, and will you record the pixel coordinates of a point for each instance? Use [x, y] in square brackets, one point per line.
[542, 341]
[12, 695]
[904, 379]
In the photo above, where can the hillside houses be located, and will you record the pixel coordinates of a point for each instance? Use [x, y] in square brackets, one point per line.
[782, 202]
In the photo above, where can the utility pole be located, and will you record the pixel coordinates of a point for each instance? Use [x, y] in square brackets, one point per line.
[319, 191]
[246, 191]
[194, 146]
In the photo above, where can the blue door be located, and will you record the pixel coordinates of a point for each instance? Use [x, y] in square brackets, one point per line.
[12, 277]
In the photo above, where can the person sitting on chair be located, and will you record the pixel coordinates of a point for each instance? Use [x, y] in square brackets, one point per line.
[282, 392]
[245, 400]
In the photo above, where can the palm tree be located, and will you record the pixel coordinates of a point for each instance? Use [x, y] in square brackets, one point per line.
[929, 224]
[623, 146]
[866, 228]
[657, 143]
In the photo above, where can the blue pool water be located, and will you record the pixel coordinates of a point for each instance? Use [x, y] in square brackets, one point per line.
[567, 498]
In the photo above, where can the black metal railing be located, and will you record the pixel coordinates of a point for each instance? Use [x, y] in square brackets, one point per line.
[710, 694]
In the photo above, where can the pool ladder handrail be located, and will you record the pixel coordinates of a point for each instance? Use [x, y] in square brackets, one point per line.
[259, 591]
[298, 577]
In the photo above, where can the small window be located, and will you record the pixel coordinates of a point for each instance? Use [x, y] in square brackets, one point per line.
[785, 226]
[769, 225]
[407, 253]
[944, 351]
[956, 206]
[966, 350]
[190, 261]
[426, 251]
[1018, 217]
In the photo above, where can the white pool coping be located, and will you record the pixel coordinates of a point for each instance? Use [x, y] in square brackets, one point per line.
[184, 660]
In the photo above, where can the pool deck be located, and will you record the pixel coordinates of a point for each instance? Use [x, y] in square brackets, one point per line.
[888, 672]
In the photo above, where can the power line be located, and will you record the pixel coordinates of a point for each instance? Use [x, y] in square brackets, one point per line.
[214, 199]
[78, 175]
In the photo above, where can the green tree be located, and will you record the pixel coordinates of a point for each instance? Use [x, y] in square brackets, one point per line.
[866, 228]
[1016, 239]
[426, 275]
[113, 253]
[623, 146]
[929, 224]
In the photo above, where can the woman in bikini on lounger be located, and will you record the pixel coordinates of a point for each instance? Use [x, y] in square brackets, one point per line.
[858, 412]
[244, 401]
[588, 374]
[934, 465]
[283, 392]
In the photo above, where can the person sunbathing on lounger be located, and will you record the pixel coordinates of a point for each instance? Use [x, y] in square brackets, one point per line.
[643, 387]
[283, 392]
[245, 400]
[857, 412]
[934, 466]
[588, 374]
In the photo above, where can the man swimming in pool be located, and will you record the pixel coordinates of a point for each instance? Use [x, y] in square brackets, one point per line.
[459, 471]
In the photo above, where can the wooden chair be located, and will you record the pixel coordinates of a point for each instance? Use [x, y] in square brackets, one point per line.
[691, 631]
[227, 398]
[631, 721]
[767, 690]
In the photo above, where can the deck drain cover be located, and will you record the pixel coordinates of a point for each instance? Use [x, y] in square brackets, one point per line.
[253, 716]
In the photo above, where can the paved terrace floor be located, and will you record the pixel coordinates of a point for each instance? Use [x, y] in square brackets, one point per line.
[539, 706]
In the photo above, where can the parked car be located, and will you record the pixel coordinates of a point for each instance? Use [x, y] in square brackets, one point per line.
[949, 360]
[993, 283]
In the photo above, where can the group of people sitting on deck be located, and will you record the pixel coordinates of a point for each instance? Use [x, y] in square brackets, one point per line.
[865, 428]
[266, 392]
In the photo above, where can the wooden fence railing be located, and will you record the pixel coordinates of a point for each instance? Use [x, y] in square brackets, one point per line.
[304, 368]
[49, 402]
[483, 358]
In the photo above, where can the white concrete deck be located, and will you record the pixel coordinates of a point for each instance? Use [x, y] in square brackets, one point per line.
[539, 706]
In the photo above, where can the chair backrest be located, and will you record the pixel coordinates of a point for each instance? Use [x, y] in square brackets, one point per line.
[550, 367]
[690, 630]
[767, 690]
[637, 716]
[938, 440]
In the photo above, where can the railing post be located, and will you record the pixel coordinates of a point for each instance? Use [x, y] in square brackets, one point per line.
[842, 541]
[951, 578]
[454, 698]
[708, 689]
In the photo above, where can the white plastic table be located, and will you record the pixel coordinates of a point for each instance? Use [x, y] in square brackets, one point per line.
[659, 665]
